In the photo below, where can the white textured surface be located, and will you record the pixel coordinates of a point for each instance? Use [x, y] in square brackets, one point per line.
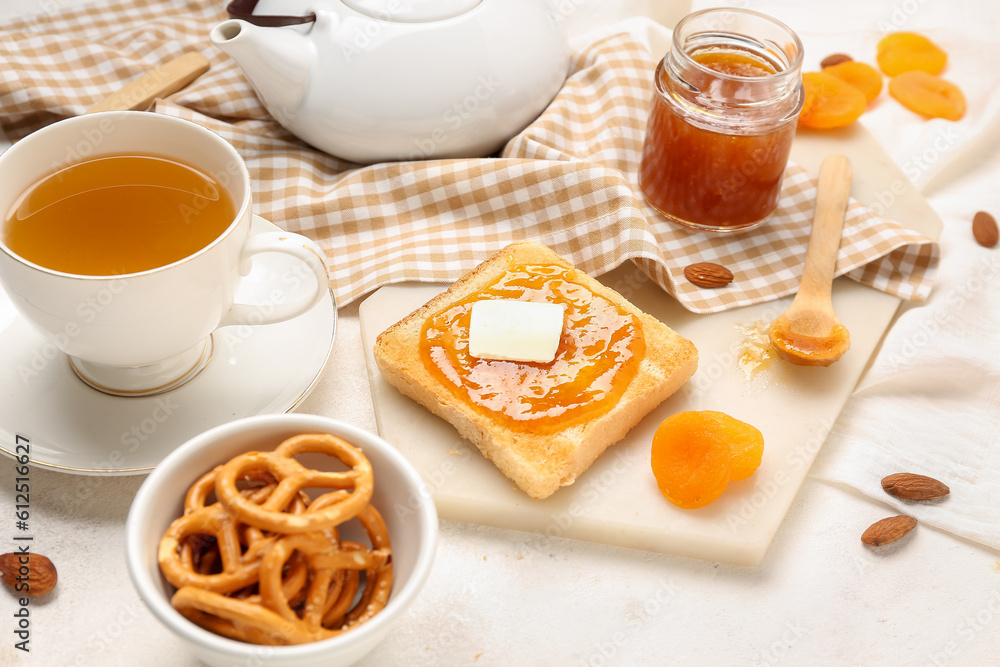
[818, 598]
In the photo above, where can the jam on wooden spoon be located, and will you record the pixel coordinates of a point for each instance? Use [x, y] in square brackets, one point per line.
[809, 333]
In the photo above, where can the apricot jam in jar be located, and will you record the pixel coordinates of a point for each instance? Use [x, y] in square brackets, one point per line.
[599, 353]
[726, 99]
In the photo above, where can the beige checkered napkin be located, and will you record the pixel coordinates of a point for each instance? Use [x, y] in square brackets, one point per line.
[569, 180]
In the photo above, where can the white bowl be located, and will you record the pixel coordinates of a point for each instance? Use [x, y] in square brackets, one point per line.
[400, 496]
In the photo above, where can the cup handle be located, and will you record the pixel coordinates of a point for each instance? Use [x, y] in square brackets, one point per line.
[297, 246]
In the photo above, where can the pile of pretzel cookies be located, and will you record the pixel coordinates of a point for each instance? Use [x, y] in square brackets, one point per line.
[264, 563]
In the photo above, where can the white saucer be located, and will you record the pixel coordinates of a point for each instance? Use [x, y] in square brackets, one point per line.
[76, 429]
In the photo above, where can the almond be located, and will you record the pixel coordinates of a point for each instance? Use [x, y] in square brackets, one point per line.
[888, 530]
[708, 274]
[909, 486]
[31, 574]
[835, 59]
[984, 228]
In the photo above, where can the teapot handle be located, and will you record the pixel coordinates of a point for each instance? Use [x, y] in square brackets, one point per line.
[243, 9]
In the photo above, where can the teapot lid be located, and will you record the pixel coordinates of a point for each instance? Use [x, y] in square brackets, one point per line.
[412, 11]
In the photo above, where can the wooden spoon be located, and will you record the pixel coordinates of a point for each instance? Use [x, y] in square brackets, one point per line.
[809, 333]
[159, 82]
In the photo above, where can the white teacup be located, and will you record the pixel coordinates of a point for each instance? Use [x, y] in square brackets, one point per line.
[147, 332]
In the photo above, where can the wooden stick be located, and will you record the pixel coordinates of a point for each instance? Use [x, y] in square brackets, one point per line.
[833, 190]
[140, 93]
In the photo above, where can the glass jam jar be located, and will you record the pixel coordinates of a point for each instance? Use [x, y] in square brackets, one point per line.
[726, 101]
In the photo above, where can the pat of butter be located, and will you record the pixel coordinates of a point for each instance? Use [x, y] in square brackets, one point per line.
[514, 330]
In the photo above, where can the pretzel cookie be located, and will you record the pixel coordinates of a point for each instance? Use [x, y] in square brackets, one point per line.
[263, 563]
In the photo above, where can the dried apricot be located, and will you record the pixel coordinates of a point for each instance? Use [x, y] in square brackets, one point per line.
[829, 101]
[928, 95]
[690, 459]
[746, 444]
[696, 454]
[862, 76]
[907, 51]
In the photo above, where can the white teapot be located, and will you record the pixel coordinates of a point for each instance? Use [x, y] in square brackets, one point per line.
[377, 80]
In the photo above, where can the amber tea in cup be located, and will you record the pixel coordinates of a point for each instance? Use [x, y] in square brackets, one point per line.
[127, 239]
[117, 214]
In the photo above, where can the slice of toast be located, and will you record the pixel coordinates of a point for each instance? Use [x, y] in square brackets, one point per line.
[538, 464]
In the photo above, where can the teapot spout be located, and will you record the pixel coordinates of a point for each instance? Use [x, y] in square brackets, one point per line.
[276, 61]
